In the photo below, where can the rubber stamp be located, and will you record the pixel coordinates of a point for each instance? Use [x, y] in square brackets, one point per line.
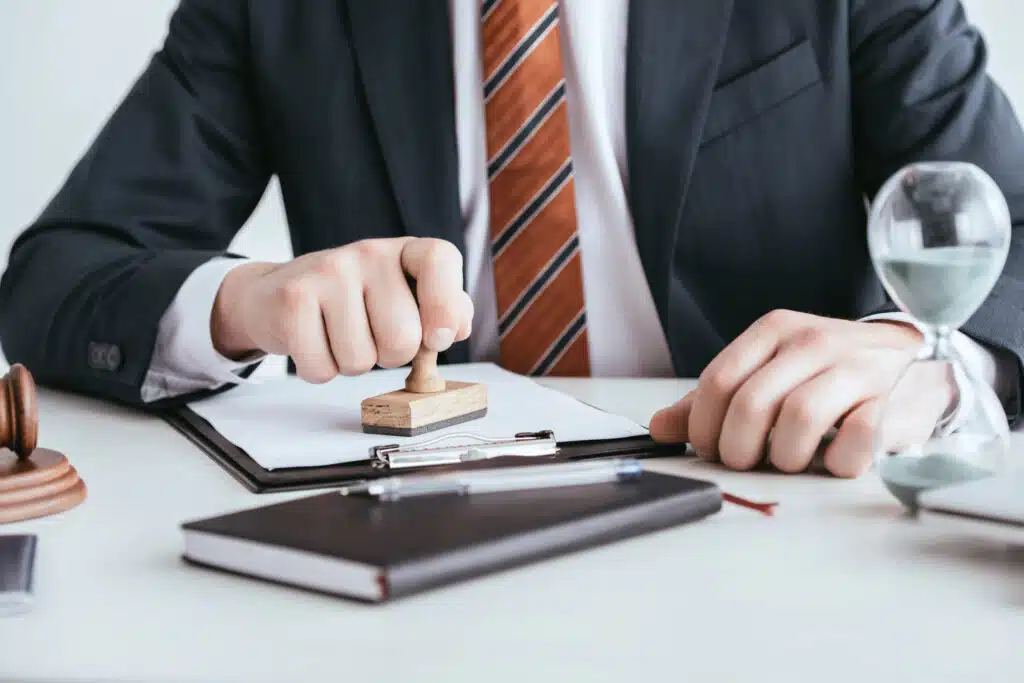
[427, 403]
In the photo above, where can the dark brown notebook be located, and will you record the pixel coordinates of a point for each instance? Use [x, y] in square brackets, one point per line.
[375, 551]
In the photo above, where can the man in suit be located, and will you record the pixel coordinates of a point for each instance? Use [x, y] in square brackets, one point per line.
[613, 187]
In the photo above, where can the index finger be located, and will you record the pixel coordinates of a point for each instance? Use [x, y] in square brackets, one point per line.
[723, 376]
[436, 266]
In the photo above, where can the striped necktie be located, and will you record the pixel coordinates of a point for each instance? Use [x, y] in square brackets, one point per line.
[534, 246]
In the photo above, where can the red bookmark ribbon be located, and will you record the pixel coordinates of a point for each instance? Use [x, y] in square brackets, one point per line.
[766, 509]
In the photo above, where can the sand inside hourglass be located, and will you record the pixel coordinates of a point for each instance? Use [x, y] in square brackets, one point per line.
[907, 475]
[943, 285]
[967, 442]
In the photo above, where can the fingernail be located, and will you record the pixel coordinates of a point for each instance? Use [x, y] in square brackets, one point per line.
[440, 339]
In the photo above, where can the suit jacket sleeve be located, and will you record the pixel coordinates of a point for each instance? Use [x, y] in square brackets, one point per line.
[163, 188]
[921, 92]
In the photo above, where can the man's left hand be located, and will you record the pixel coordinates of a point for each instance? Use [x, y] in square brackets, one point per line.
[794, 376]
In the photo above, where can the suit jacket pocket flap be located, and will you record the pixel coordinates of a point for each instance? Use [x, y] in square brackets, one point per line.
[756, 91]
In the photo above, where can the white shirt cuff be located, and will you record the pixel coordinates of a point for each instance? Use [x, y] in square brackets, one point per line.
[184, 357]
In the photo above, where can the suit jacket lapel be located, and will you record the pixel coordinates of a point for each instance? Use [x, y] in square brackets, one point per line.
[404, 52]
[674, 47]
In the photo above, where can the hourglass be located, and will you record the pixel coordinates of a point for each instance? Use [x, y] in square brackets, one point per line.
[938, 234]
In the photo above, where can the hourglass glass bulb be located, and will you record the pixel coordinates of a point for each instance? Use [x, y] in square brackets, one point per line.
[938, 235]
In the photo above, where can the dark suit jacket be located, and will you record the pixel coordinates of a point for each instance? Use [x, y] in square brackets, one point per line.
[755, 131]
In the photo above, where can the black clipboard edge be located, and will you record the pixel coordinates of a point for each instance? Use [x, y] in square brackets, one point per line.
[255, 478]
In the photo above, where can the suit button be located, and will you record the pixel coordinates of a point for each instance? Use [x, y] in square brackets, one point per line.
[104, 356]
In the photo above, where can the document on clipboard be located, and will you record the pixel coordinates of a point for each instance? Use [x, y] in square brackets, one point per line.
[287, 424]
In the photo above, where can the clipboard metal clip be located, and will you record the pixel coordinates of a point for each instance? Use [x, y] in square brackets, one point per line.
[393, 456]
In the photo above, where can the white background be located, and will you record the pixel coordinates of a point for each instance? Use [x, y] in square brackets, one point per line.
[65, 64]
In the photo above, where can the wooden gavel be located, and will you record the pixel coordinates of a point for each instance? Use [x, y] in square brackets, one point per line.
[19, 417]
[34, 482]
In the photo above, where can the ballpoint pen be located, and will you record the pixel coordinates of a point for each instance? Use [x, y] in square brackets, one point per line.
[394, 456]
[502, 479]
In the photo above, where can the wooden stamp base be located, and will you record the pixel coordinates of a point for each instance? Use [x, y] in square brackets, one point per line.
[406, 413]
[42, 484]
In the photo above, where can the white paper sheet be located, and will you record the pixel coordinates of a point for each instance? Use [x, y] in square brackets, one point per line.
[287, 422]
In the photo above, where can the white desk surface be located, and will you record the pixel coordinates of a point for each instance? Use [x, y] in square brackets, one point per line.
[838, 586]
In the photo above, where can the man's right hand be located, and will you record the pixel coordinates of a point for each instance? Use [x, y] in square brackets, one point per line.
[341, 311]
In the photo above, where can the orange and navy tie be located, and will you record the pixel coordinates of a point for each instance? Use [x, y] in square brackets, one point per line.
[535, 249]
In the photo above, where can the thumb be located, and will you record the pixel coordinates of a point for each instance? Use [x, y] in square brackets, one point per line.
[671, 424]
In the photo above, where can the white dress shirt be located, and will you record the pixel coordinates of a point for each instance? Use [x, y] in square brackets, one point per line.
[624, 333]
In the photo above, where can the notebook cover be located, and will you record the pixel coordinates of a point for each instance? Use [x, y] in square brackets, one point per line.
[250, 474]
[422, 543]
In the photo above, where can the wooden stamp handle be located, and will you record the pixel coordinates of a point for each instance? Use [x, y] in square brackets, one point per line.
[424, 378]
[19, 419]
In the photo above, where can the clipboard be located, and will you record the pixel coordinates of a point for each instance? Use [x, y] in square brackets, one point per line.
[257, 479]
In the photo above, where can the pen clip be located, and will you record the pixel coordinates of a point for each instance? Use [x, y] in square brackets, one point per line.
[530, 444]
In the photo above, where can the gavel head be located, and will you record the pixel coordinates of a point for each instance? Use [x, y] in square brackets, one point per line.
[19, 418]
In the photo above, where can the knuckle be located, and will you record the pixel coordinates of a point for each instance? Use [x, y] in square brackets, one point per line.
[357, 364]
[295, 294]
[440, 252]
[860, 428]
[800, 409]
[813, 338]
[775, 319]
[330, 265]
[338, 264]
[779, 319]
[399, 348]
[406, 341]
[370, 250]
[716, 382]
[749, 402]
